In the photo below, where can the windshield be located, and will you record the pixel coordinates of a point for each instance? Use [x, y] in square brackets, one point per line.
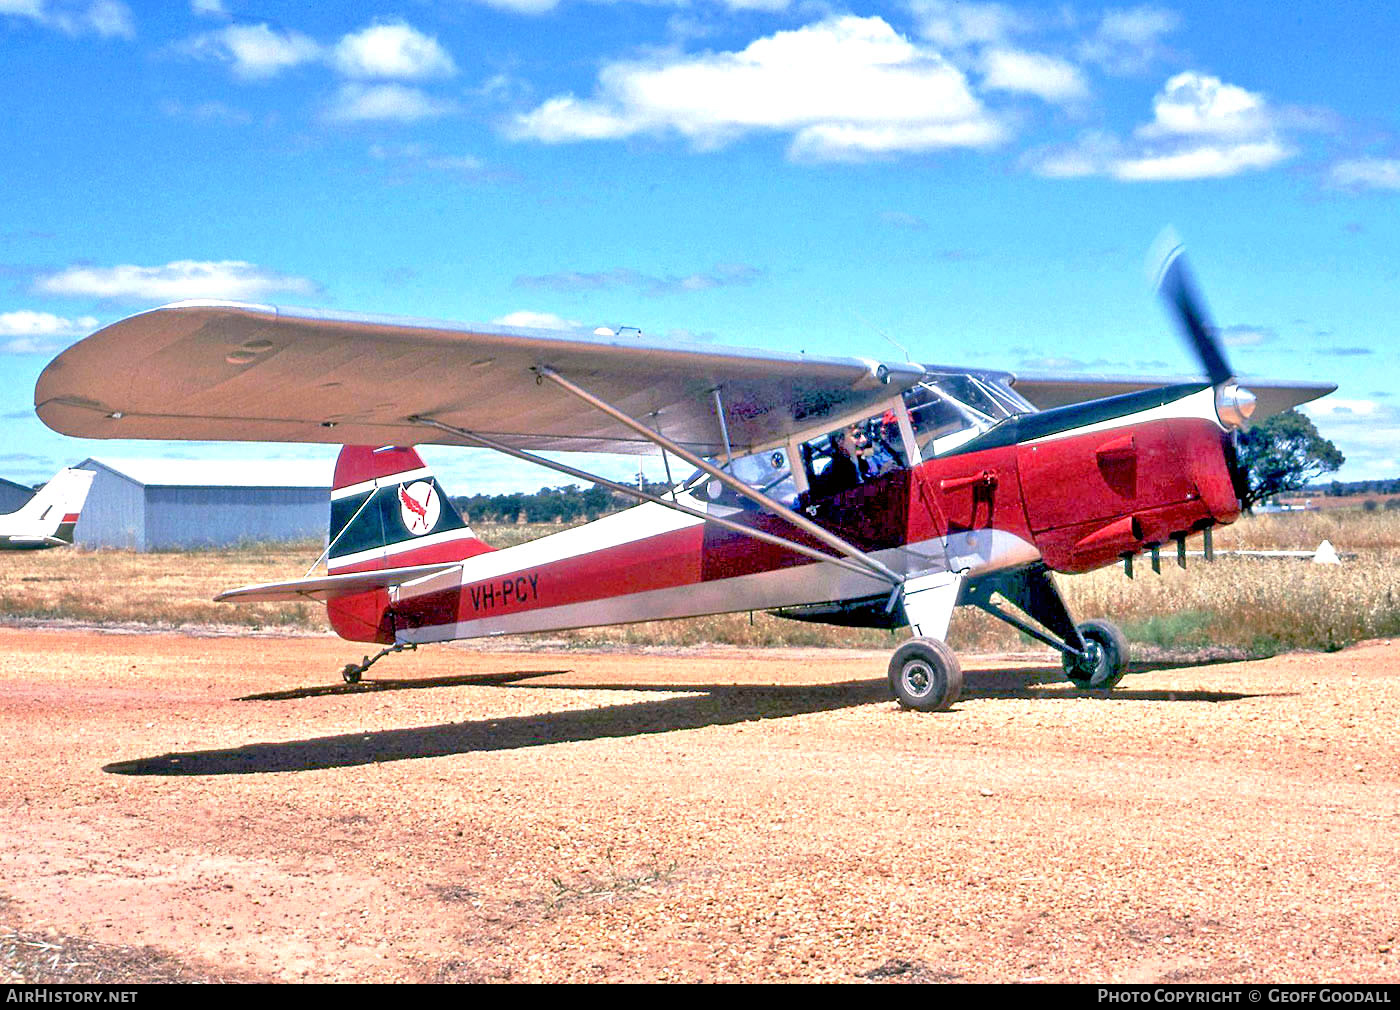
[948, 410]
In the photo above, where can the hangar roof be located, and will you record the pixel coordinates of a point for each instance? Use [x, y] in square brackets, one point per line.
[153, 472]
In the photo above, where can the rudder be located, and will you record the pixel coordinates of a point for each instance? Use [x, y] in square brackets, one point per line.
[53, 511]
[387, 511]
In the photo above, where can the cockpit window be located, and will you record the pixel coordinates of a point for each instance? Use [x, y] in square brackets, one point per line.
[769, 473]
[945, 410]
[948, 410]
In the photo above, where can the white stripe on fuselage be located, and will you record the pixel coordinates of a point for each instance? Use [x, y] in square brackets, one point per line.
[974, 553]
[638, 523]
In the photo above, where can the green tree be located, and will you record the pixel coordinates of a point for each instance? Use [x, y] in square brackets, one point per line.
[1284, 453]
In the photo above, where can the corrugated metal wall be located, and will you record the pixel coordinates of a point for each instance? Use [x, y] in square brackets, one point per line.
[218, 516]
[122, 513]
[115, 512]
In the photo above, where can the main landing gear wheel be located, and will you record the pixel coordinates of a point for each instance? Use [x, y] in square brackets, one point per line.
[1105, 659]
[925, 675]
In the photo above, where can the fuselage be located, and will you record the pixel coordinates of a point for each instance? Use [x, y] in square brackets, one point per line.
[1073, 489]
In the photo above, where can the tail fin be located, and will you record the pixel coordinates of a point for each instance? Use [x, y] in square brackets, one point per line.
[389, 511]
[47, 519]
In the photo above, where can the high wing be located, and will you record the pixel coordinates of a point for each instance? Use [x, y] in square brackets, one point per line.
[330, 587]
[1274, 396]
[230, 371]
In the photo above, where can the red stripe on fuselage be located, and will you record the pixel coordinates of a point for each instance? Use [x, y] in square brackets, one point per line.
[659, 562]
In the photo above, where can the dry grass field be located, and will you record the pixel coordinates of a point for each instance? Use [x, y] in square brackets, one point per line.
[1237, 606]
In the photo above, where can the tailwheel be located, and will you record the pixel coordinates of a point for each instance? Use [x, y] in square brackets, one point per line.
[1104, 660]
[925, 675]
[354, 671]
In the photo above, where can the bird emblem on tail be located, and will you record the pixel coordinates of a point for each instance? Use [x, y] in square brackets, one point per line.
[418, 507]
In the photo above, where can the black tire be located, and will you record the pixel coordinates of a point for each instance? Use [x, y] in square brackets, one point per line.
[925, 675]
[352, 673]
[1107, 658]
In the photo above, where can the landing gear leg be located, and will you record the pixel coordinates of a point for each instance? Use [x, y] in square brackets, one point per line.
[1094, 653]
[354, 671]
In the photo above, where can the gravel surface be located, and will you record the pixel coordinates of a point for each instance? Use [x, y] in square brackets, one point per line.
[224, 808]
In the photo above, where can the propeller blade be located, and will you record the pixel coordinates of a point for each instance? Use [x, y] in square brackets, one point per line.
[1177, 289]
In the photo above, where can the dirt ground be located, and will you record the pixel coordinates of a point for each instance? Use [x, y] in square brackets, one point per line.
[223, 807]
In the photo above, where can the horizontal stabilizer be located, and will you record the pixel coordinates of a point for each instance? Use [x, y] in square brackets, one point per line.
[330, 587]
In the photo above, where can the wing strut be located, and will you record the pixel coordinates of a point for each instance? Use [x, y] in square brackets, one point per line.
[490, 443]
[836, 543]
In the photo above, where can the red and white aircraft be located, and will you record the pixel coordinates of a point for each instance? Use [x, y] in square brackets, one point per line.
[47, 519]
[842, 490]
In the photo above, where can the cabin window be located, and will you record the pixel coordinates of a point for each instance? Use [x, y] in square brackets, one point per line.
[854, 454]
[769, 473]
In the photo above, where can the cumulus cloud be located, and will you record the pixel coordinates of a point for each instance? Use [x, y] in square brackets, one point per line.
[230, 279]
[387, 51]
[28, 332]
[392, 50]
[1202, 128]
[1207, 161]
[1048, 77]
[957, 25]
[26, 323]
[256, 52]
[355, 102]
[1198, 104]
[846, 87]
[537, 321]
[107, 18]
[1366, 173]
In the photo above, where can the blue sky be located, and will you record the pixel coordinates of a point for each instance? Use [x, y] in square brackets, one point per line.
[976, 182]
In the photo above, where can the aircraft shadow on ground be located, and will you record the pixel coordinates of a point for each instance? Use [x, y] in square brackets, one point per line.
[402, 684]
[698, 707]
